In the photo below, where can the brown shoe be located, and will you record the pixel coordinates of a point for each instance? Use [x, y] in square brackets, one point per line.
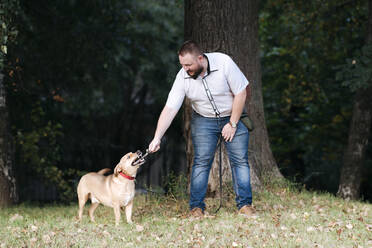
[247, 210]
[197, 213]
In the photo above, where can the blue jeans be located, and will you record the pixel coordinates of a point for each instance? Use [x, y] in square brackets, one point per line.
[205, 133]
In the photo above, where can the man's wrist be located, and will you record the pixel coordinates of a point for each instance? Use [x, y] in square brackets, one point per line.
[233, 124]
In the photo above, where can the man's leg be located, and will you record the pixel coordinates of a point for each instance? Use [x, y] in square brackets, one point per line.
[237, 151]
[205, 133]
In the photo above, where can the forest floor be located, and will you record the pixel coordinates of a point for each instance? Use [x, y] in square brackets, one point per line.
[286, 217]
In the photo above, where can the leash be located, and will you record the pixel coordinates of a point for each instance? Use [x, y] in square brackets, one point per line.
[218, 115]
[142, 158]
[220, 174]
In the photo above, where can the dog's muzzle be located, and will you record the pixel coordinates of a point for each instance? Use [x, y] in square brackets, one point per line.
[141, 158]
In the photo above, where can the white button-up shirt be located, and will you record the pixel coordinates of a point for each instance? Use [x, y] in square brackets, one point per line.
[224, 80]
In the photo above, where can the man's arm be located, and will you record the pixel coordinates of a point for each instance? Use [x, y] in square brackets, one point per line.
[249, 93]
[165, 119]
[228, 131]
[238, 105]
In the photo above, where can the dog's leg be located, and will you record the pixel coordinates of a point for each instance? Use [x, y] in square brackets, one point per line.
[92, 209]
[128, 212]
[117, 213]
[82, 200]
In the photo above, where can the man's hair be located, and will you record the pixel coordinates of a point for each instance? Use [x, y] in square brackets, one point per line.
[191, 47]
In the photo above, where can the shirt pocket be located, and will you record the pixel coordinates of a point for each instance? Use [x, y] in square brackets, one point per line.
[195, 91]
[218, 86]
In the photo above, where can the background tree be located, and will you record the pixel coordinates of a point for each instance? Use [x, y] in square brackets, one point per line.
[8, 190]
[358, 73]
[232, 27]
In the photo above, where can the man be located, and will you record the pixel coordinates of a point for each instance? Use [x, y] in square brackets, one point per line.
[213, 115]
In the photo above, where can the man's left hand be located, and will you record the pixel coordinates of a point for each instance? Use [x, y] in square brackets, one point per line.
[228, 132]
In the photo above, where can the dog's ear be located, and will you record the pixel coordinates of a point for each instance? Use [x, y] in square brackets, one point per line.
[117, 170]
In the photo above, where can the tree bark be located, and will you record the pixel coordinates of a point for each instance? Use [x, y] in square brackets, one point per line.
[8, 193]
[231, 27]
[359, 132]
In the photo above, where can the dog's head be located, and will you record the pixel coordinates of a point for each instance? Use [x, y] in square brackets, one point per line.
[129, 164]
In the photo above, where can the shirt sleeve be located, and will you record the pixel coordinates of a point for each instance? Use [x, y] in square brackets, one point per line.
[177, 93]
[235, 77]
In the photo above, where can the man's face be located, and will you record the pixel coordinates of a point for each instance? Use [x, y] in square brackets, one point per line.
[191, 63]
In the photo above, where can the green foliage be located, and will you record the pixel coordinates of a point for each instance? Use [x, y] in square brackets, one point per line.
[99, 71]
[176, 185]
[8, 32]
[356, 73]
[39, 149]
[94, 75]
[307, 109]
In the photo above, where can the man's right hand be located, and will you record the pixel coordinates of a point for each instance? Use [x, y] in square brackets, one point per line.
[154, 145]
[165, 119]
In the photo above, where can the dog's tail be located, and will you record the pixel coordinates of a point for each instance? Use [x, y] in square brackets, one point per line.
[104, 171]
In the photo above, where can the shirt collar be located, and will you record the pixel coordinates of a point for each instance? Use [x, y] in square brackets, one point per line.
[211, 66]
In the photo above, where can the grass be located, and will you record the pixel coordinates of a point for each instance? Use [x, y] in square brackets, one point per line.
[285, 218]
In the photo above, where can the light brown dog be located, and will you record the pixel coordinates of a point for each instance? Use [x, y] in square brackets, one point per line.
[116, 190]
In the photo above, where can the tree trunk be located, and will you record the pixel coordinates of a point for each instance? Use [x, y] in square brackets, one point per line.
[359, 132]
[231, 27]
[8, 193]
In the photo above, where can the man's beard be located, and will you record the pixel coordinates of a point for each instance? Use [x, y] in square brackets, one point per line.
[197, 73]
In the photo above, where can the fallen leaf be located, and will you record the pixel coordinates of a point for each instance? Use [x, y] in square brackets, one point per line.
[306, 215]
[332, 224]
[46, 239]
[349, 226]
[139, 228]
[196, 227]
[33, 228]
[310, 229]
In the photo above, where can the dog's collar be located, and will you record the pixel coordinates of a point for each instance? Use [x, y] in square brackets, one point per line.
[126, 176]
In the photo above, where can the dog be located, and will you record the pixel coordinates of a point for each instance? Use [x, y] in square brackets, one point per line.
[116, 190]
